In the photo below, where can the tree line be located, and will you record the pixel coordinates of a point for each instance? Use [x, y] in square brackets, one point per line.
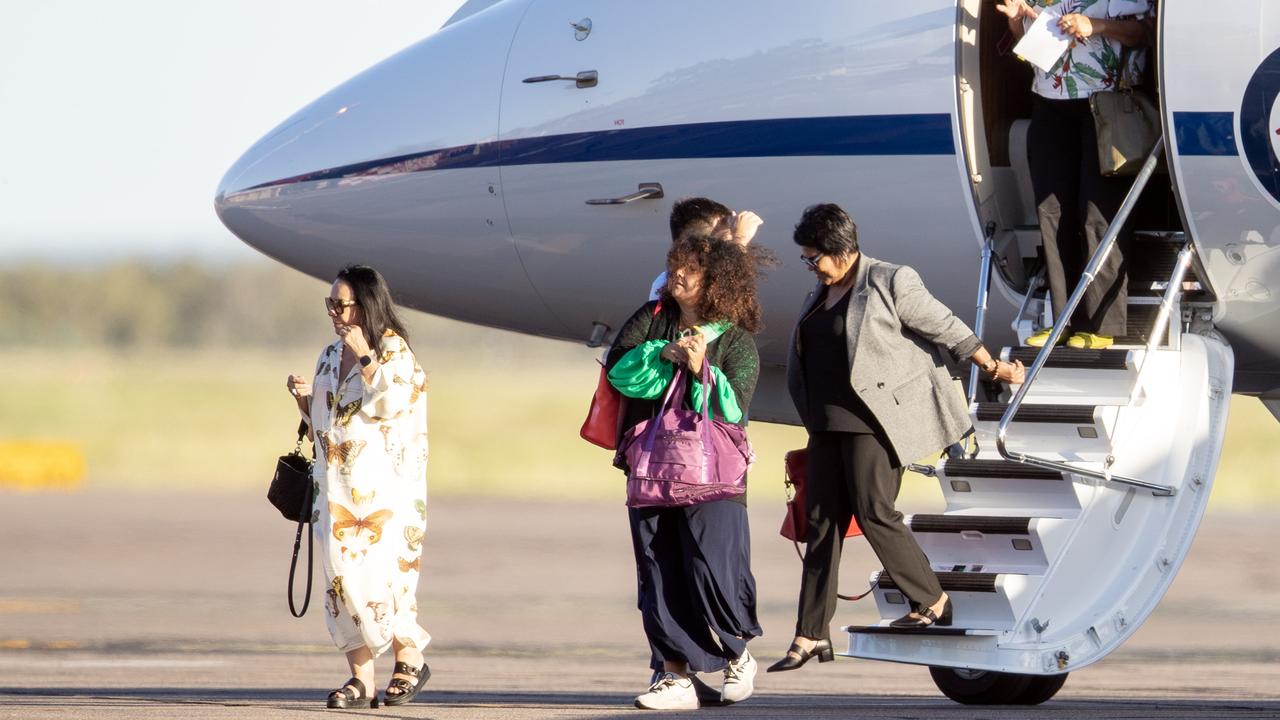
[138, 305]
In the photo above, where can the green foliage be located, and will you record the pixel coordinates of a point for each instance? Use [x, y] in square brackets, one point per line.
[134, 305]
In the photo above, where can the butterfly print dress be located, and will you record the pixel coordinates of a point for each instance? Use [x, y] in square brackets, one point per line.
[371, 495]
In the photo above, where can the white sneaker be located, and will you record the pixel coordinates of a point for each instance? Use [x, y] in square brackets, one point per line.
[739, 679]
[670, 692]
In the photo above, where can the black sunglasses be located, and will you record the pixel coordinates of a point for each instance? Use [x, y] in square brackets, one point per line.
[811, 260]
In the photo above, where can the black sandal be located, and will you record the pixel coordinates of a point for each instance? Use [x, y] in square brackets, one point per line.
[343, 698]
[924, 618]
[406, 690]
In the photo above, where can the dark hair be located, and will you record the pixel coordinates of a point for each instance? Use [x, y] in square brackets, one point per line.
[688, 211]
[729, 279]
[827, 229]
[377, 310]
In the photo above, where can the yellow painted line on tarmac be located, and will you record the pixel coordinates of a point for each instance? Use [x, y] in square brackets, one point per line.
[21, 644]
[38, 606]
[32, 465]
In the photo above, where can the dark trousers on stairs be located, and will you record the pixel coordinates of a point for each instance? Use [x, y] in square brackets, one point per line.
[1075, 204]
[855, 475]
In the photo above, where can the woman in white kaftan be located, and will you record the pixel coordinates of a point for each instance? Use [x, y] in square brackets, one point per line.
[367, 408]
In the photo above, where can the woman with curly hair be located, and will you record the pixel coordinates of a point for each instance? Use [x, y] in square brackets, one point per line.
[693, 564]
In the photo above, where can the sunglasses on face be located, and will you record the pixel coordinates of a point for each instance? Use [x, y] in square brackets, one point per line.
[337, 305]
[811, 260]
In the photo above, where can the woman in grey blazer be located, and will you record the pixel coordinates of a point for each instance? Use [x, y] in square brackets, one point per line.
[866, 374]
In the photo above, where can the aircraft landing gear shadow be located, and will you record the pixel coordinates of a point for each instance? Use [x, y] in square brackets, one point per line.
[980, 687]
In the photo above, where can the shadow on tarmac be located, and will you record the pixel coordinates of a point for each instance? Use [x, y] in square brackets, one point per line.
[611, 704]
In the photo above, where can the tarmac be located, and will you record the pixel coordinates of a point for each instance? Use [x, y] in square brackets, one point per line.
[120, 605]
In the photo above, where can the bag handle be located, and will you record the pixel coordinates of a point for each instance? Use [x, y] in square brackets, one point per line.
[297, 544]
[297, 539]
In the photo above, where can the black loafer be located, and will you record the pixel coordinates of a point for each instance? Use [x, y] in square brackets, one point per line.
[822, 649]
[924, 618]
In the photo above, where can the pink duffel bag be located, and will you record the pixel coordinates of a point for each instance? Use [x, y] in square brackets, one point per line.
[684, 457]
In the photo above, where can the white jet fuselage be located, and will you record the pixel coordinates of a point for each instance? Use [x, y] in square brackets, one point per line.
[468, 186]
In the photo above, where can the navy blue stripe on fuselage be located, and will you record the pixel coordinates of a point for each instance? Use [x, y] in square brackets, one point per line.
[900, 135]
[1205, 134]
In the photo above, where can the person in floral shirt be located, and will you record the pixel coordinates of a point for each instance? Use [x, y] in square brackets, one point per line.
[1075, 203]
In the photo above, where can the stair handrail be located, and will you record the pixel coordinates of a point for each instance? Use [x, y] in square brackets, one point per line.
[984, 291]
[1033, 286]
[1086, 278]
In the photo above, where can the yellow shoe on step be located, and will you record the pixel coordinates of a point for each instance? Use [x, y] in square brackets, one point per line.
[1089, 341]
[1041, 337]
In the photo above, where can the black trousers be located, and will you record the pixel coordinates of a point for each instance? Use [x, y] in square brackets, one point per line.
[697, 596]
[854, 475]
[1075, 204]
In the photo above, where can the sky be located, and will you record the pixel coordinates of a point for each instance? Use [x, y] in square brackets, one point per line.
[120, 118]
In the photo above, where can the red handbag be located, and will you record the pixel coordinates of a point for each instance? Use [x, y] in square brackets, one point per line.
[795, 526]
[601, 426]
[605, 414]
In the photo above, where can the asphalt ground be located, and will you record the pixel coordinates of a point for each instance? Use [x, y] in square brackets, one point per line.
[172, 605]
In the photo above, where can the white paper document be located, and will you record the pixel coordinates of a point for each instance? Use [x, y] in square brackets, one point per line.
[1043, 44]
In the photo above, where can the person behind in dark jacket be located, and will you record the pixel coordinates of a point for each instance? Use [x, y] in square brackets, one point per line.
[696, 590]
[867, 378]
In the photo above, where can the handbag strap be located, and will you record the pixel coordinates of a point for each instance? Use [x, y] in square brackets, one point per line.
[297, 544]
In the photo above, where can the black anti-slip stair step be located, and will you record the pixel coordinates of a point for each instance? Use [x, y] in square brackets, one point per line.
[1151, 259]
[1138, 327]
[1064, 414]
[967, 468]
[952, 581]
[1069, 357]
[886, 630]
[986, 524]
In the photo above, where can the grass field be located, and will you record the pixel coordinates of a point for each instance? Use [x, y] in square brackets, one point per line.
[504, 412]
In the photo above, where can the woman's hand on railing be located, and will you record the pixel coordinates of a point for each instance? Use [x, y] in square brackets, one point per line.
[1013, 373]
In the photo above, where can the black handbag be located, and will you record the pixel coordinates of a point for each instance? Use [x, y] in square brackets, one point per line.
[292, 492]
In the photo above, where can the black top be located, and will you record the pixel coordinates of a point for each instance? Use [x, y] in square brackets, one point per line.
[824, 357]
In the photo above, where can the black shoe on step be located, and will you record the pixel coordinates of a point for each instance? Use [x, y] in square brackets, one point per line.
[924, 618]
[797, 656]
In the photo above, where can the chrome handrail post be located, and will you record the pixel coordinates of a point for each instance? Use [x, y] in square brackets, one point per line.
[1163, 315]
[980, 316]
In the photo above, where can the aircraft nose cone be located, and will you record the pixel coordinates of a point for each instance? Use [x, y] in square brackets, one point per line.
[433, 100]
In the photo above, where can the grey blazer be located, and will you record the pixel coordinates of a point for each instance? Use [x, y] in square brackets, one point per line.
[895, 329]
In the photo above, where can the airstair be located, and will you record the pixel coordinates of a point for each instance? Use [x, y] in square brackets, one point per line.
[1067, 524]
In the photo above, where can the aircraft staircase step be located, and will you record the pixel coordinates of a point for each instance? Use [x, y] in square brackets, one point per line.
[931, 630]
[1074, 358]
[1081, 377]
[985, 600]
[1055, 431]
[1046, 413]
[1151, 261]
[975, 582]
[985, 484]
[1010, 469]
[989, 543]
[1141, 316]
[987, 525]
